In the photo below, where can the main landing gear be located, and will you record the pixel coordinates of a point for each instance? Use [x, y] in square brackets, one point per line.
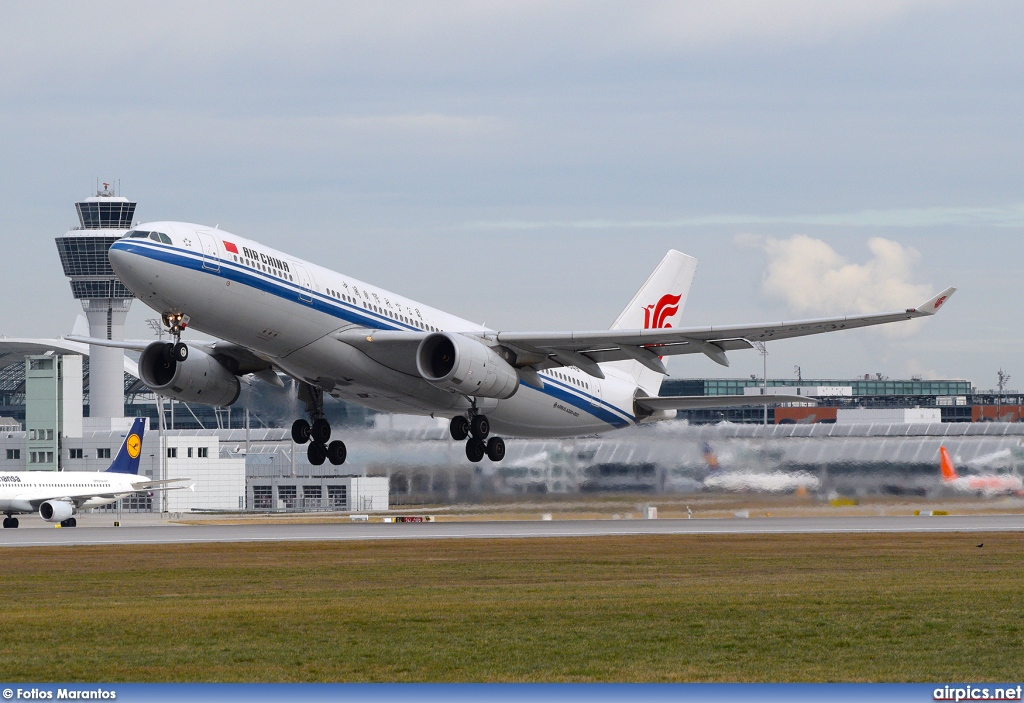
[476, 428]
[70, 522]
[10, 522]
[318, 434]
[175, 324]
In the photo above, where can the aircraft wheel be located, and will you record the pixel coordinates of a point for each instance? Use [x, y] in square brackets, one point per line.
[7, 522]
[480, 426]
[321, 431]
[70, 522]
[336, 452]
[317, 453]
[179, 352]
[300, 431]
[459, 428]
[475, 450]
[14, 522]
[495, 449]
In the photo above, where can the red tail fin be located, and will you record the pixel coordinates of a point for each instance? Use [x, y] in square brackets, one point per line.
[946, 462]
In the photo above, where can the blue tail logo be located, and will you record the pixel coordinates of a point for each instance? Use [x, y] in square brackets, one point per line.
[127, 459]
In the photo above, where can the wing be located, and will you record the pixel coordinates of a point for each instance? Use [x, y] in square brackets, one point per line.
[587, 349]
[236, 358]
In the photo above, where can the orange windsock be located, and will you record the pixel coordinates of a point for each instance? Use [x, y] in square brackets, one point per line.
[946, 462]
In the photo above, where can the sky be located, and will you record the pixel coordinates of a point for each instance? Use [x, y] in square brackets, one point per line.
[527, 164]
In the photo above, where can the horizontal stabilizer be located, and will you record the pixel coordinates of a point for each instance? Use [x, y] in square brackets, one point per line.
[690, 402]
[160, 485]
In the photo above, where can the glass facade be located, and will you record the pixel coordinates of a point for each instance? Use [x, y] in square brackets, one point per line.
[861, 387]
[87, 256]
[115, 214]
[94, 290]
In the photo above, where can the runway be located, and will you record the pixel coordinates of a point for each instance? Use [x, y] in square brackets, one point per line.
[340, 532]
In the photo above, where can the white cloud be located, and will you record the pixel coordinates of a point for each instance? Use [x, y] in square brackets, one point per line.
[813, 278]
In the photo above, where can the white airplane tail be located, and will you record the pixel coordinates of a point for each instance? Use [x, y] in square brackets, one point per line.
[657, 305]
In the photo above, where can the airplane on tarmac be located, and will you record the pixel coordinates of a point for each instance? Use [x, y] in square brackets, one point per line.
[987, 484]
[58, 495]
[337, 335]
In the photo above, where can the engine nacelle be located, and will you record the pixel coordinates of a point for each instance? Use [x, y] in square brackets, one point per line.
[462, 365]
[56, 510]
[198, 379]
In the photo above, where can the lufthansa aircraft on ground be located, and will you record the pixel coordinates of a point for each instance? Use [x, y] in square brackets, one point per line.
[57, 495]
[337, 335]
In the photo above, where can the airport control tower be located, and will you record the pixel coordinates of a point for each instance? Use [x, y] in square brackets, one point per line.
[103, 219]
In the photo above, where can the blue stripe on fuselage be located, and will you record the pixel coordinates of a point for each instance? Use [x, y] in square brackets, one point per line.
[245, 275]
[561, 391]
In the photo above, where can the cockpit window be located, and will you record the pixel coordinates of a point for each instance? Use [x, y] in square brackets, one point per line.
[143, 234]
[155, 236]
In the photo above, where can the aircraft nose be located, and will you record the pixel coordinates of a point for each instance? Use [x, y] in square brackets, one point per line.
[120, 257]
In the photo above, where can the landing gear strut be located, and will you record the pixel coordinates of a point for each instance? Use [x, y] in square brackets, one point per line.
[10, 522]
[479, 427]
[175, 323]
[318, 434]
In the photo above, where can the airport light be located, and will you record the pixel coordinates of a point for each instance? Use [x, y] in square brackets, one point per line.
[1004, 378]
[763, 351]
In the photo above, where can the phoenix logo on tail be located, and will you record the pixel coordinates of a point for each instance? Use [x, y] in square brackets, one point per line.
[656, 314]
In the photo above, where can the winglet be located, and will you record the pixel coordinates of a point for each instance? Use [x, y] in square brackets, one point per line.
[933, 305]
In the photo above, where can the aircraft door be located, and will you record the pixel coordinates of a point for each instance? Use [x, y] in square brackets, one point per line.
[595, 391]
[211, 257]
[305, 284]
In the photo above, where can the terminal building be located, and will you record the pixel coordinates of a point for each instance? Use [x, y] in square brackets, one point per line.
[956, 400]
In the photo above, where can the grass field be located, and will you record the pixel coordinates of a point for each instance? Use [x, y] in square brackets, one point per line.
[904, 607]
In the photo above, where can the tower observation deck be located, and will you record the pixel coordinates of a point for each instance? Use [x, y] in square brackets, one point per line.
[103, 219]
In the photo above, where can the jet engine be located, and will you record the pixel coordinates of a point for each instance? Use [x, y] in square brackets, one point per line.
[198, 379]
[56, 510]
[462, 365]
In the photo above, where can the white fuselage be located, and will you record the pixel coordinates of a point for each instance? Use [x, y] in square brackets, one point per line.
[285, 310]
[22, 492]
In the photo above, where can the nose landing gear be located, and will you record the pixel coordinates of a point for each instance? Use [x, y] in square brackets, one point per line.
[317, 434]
[175, 322]
[476, 447]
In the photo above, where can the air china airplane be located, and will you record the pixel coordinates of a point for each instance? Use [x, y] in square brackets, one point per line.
[987, 484]
[340, 336]
[58, 495]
